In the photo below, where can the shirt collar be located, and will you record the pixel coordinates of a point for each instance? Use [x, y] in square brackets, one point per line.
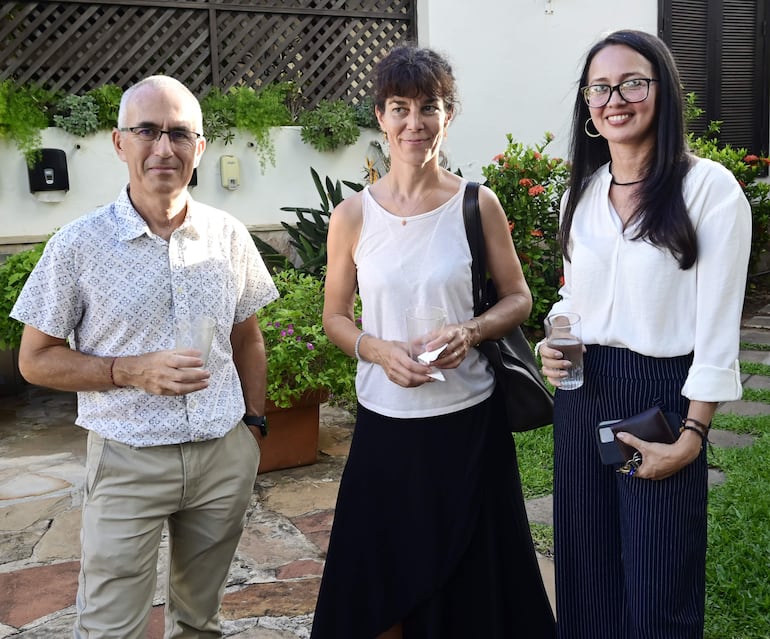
[132, 225]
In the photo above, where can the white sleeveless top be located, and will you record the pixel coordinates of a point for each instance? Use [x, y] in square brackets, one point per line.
[425, 261]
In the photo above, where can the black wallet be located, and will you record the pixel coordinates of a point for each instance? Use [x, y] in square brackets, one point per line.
[651, 425]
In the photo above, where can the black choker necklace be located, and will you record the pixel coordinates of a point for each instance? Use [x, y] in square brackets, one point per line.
[616, 183]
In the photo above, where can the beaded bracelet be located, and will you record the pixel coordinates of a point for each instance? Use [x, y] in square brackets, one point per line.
[358, 343]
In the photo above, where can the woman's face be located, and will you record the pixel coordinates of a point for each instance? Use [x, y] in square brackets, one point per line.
[415, 127]
[620, 121]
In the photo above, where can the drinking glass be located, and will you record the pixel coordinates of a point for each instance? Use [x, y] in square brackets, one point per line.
[562, 332]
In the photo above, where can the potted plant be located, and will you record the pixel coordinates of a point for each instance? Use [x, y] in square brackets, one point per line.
[304, 369]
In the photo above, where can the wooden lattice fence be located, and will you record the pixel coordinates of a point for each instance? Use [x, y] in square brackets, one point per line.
[328, 47]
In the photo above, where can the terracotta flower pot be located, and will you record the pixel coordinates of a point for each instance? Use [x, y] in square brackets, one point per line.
[293, 433]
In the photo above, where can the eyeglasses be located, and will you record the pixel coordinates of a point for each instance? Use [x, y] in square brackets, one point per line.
[634, 90]
[177, 137]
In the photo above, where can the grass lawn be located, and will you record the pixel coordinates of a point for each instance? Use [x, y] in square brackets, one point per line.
[738, 560]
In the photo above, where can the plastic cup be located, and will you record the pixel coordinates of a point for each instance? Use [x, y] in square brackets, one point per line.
[423, 324]
[195, 333]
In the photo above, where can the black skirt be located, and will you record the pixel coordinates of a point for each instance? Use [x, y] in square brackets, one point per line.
[430, 531]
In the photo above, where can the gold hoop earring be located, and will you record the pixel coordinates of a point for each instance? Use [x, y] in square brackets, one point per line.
[384, 136]
[588, 133]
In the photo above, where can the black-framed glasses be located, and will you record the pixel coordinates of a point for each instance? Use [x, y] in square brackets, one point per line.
[633, 90]
[177, 137]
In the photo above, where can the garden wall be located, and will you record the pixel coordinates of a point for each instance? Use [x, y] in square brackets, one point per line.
[96, 176]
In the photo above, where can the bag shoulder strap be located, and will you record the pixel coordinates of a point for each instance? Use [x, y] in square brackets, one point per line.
[475, 235]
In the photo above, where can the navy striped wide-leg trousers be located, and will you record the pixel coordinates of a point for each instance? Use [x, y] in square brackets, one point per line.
[630, 553]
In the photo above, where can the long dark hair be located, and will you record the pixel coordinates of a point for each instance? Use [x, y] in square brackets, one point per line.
[660, 207]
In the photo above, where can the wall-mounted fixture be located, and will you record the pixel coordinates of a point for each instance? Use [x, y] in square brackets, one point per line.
[549, 7]
[230, 172]
[48, 178]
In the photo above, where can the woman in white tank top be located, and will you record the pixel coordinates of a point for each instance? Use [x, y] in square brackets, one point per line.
[430, 537]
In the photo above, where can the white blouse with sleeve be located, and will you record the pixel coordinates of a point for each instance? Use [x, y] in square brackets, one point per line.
[631, 294]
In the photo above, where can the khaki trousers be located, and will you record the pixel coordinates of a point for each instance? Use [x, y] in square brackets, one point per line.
[202, 489]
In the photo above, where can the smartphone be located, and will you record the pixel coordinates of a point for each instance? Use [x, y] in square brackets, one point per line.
[608, 448]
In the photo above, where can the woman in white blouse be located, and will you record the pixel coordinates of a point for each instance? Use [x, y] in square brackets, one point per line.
[656, 245]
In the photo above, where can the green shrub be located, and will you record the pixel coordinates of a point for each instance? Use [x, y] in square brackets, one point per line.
[300, 357]
[24, 113]
[330, 125]
[747, 169]
[13, 275]
[365, 115]
[253, 111]
[78, 114]
[529, 185]
[107, 98]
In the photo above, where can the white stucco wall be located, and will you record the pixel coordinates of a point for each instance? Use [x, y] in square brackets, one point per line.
[517, 66]
[96, 176]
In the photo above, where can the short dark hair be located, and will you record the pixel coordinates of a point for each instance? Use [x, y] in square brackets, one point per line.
[660, 207]
[410, 71]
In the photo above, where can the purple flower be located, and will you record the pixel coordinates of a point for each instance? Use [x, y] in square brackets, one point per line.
[310, 347]
[283, 333]
[277, 324]
[290, 331]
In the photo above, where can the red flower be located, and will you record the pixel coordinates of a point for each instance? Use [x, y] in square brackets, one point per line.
[536, 233]
[561, 281]
[536, 190]
[750, 159]
[536, 155]
[526, 182]
[510, 226]
[498, 157]
[766, 161]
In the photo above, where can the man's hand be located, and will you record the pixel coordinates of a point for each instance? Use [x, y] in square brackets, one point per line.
[173, 372]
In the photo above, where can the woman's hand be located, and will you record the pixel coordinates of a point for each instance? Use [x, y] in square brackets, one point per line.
[660, 461]
[459, 341]
[555, 365]
[398, 366]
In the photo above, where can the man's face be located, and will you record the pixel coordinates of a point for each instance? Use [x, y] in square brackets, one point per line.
[159, 167]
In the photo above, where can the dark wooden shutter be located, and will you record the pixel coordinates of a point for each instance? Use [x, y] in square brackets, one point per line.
[721, 49]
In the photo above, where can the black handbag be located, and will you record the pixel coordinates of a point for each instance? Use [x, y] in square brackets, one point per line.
[528, 402]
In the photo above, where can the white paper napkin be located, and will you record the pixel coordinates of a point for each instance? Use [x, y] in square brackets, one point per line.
[429, 356]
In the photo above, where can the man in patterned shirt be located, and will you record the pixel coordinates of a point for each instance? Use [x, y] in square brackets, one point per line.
[166, 440]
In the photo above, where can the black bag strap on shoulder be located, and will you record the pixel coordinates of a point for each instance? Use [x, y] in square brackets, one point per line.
[473, 229]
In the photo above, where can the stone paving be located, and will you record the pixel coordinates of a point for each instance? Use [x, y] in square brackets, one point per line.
[275, 576]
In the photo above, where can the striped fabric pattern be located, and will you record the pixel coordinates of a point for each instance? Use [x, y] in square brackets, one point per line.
[630, 553]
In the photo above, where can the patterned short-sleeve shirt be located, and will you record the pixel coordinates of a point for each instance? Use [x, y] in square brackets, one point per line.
[113, 288]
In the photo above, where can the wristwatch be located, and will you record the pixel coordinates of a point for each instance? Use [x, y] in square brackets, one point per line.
[260, 421]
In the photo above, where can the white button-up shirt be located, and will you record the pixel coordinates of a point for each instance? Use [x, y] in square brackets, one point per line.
[113, 288]
[631, 294]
